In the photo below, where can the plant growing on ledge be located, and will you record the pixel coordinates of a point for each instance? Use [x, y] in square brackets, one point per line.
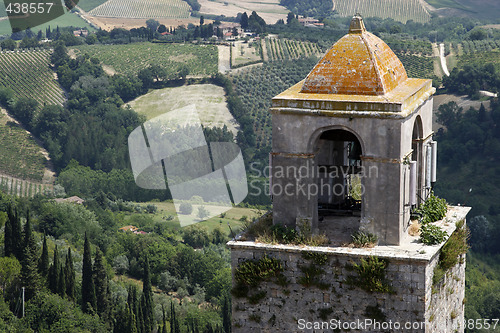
[370, 275]
[251, 273]
[264, 231]
[432, 234]
[364, 239]
[433, 209]
[452, 251]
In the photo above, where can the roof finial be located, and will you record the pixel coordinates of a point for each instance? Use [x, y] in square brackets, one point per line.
[357, 26]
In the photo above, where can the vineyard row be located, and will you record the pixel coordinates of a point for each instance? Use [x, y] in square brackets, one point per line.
[23, 188]
[143, 9]
[399, 10]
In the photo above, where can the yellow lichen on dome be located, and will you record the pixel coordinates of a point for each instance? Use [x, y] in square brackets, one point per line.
[360, 63]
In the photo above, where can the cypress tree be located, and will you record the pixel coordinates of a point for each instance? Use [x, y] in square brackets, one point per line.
[69, 271]
[43, 265]
[17, 237]
[101, 285]
[140, 318]
[8, 236]
[54, 272]
[88, 290]
[147, 299]
[134, 309]
[174, 322]
[208, 328]
[29, 270]
[61, 282]
[164, 329]
[226, 316]
[133, 321]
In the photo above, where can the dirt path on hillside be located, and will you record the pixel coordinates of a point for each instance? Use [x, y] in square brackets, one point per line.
[224, 58]
[442, 58]
[264, 49]
[437, 61]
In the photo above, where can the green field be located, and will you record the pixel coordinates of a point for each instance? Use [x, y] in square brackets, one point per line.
[446, 4]
[480, 58]
[166, 211]
[88, 5]
[399, 10]
[470, 46]
[481, 9]
[418, 67]
[29, 76]
[279, 49]
[143, 9]
[66, 20]
[20, 156]
[209, 99]
[131, 58]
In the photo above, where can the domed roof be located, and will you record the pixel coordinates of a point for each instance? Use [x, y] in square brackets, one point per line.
[359, 63]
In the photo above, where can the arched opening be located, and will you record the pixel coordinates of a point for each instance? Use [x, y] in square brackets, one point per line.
[417, 156]
[338, 160]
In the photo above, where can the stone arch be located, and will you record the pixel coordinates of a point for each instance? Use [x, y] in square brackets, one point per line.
[317, 133]
[337, 161]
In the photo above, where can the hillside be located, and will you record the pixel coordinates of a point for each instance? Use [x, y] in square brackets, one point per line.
[23, 163]
[140, 9]
[87, 5]
[28, 74]
[396, 9]
[208, 98]
[131, 58]
[479, 9]
[270, 10]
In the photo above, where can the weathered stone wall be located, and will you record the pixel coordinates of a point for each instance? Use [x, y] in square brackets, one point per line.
[413, 298]
[445, 300]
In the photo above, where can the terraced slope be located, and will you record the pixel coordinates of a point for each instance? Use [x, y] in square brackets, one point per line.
[399, 10]
[142, 9]
[28, 74]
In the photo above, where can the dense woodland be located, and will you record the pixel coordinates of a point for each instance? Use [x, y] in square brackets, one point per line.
[81, 273]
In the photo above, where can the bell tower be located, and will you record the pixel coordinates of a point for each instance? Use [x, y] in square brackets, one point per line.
[352, 143]
[352, 151]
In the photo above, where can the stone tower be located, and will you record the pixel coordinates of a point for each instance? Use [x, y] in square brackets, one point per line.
[356, 117]
[352, 151]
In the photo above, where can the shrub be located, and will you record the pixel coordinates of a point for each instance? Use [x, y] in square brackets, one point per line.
[196, 236]
[454, 247]
[370, 275]
[432, 234]
[451, 252]
[203, 212]
[433, 209]
[249, 274]
[121, 264]
[167, 281]
[151, 209]
[186, 208]
[362, 239]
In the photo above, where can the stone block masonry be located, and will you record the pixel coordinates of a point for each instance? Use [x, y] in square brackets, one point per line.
[325, 295]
